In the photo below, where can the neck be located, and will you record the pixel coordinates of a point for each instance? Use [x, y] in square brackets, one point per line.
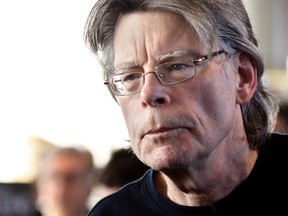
[208, 183]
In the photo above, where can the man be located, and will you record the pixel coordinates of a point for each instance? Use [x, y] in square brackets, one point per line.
[65, 182]
[187, 76]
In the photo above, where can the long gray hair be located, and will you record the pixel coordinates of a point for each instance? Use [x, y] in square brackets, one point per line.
[223, 21]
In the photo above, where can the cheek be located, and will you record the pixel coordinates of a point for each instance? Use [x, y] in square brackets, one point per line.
[212, 99]
[218, 87]
[215, 97]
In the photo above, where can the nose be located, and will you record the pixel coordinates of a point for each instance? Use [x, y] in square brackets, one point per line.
[153, 92]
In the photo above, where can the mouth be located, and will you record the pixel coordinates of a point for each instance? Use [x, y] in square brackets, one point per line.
[160, 131]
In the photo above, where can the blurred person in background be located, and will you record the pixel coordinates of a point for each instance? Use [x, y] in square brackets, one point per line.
[282, 119]
[65, 181]
[122, 168]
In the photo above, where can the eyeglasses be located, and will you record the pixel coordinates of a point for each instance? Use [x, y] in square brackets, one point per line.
[69, 177]
[128, 82]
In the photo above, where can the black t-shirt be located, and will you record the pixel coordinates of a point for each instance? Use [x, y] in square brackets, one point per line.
[264, 192]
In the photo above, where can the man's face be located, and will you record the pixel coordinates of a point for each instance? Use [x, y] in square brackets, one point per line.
[68, 183]
[173, 126]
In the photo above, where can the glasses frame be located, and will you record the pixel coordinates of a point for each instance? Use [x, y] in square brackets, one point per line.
[196, 62]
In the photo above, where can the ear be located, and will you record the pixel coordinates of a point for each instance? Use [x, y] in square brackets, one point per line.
[248, 79]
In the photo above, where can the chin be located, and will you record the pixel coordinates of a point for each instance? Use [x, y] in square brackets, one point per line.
[164, 164]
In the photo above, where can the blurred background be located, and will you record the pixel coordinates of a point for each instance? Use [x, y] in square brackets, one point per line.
[50, 84]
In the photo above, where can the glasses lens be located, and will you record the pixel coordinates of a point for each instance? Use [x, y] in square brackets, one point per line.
[126, 83]
[116, 85]
[176, 72]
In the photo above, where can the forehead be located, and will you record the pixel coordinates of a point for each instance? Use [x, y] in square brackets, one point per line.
[146, 36]
[68, 162]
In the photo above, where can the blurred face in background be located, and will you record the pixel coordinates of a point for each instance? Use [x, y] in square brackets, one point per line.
[65, 186]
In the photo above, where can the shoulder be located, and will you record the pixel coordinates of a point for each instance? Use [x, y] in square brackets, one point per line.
[274, 152]
[128, 197]
[279, 136]
[277, 142]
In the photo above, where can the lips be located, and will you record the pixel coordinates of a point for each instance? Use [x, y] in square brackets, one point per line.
[164, 124]
[156, 131]
[161, 130]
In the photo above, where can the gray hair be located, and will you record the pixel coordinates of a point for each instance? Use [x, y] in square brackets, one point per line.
[78, 152]
[224, 22]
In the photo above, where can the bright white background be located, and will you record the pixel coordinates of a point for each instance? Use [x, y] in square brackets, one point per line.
[50, 84]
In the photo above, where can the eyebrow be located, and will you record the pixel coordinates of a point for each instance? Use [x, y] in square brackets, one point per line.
[128, 65]
[177, 54]
[160, 59]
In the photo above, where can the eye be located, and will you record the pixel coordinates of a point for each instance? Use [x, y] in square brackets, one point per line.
[178, 67]
[130, 77]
